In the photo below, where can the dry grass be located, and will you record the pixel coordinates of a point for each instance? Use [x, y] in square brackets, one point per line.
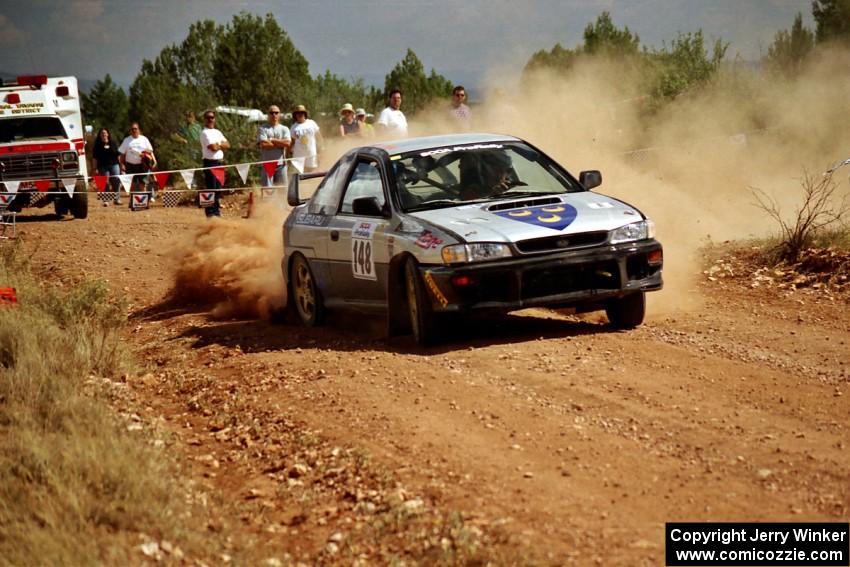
[76, 488]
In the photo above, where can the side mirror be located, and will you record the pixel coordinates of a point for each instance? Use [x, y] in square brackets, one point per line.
[590, 179]
[292, 191]
[367, 207]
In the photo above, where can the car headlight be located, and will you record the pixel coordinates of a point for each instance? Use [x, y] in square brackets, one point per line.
[634, 231]
[475, 252]
[68, 156]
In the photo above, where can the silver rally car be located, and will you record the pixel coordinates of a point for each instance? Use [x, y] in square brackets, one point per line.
[429, 227]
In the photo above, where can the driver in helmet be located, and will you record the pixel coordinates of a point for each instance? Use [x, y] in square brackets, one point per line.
[485, 174]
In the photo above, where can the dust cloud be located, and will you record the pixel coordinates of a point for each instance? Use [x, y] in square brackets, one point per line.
[234, 265]
[691, 167]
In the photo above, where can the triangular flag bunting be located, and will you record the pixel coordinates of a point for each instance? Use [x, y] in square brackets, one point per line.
[188, 176]
[161, 179]
[126, 180]
[12, 186]
[270, 167]
[42, 185]
[243, 168]
[298, 164]
[69, 183]
[100, 183]
[219, 174]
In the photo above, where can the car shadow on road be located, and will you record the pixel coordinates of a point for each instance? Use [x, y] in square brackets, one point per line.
[349, 332]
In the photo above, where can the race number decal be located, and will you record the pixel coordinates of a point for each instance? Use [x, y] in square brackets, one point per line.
[362, 261]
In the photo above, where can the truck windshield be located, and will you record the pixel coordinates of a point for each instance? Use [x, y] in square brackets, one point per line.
[20, 129]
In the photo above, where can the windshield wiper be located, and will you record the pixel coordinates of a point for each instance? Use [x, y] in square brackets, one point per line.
[442, 203]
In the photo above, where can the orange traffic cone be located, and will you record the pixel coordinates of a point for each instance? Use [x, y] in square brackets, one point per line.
[250, 205]
[8, 297]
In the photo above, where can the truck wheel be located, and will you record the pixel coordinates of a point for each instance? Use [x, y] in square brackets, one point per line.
[418, 306]
[80, 202]
[626, 312]
[305, 297]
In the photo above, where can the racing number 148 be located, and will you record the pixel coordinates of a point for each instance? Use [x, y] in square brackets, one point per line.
[361, 257]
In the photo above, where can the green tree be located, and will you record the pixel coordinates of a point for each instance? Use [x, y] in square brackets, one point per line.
[790, 48]
[256, 64]
[833, 20]
[106, 106]
[600, 38]
[418, 89]
[686, 64]
[603, 37]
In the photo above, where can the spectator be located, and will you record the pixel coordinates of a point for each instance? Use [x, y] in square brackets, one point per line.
[133, 151]
[213, 144]
[459, 111]
[190, 132]
[307, 139]
[391, 121]
[105, 162]
[348, 125]
[366, 129]
[273, 138]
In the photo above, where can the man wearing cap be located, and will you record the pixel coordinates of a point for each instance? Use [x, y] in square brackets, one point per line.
[306, 138]
[366, 129]
[391, 121]
[348, 126]
[273, 139]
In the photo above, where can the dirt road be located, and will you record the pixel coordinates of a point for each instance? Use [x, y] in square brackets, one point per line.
[531, 438]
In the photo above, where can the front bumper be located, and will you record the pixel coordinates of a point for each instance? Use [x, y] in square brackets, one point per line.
[581, 278]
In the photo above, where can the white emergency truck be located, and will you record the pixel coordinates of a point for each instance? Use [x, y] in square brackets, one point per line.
[42, 145]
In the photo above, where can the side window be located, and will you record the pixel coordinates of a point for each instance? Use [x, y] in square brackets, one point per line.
[326, 197]
[364, 182]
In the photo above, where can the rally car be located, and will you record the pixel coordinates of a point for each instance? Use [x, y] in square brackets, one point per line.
[427, 228]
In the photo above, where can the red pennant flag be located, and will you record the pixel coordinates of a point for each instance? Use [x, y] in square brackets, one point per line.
[42, 185]
[270, 167]
[219, 174]
[100, 182]
[161, 179]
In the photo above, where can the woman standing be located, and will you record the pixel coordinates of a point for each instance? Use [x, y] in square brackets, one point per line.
[348, 126]
[105, 161]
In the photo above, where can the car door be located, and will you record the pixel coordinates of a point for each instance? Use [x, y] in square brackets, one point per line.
[357, 244]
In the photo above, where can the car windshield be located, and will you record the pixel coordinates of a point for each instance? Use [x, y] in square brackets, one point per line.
[31, 128]
[448, 176]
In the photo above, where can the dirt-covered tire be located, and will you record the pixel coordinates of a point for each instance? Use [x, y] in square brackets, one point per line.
[626, 312]
[305, 298]
[80, 202]
[422, 320]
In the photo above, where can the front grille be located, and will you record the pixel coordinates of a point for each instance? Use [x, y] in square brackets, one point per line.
[544, 282]
[29, 166]
[562, 242]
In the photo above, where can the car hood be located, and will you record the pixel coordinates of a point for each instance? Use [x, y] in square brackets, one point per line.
[510, 220]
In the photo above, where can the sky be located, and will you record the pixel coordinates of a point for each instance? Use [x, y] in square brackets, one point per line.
[464, 41]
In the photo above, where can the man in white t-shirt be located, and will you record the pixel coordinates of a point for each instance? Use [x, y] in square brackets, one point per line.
[135, 155]
[213, 144]
[392, 122]
[273, 138]
[459, 111]
[306, 138]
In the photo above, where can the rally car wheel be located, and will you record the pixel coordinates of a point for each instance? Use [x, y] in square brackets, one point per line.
[626, 312]
[305, 294]
[80, 202]
[418, 306]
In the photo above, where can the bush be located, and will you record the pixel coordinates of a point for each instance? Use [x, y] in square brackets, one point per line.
[73, 483]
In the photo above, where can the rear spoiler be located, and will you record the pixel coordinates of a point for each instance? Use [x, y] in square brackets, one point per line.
[292, 192]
